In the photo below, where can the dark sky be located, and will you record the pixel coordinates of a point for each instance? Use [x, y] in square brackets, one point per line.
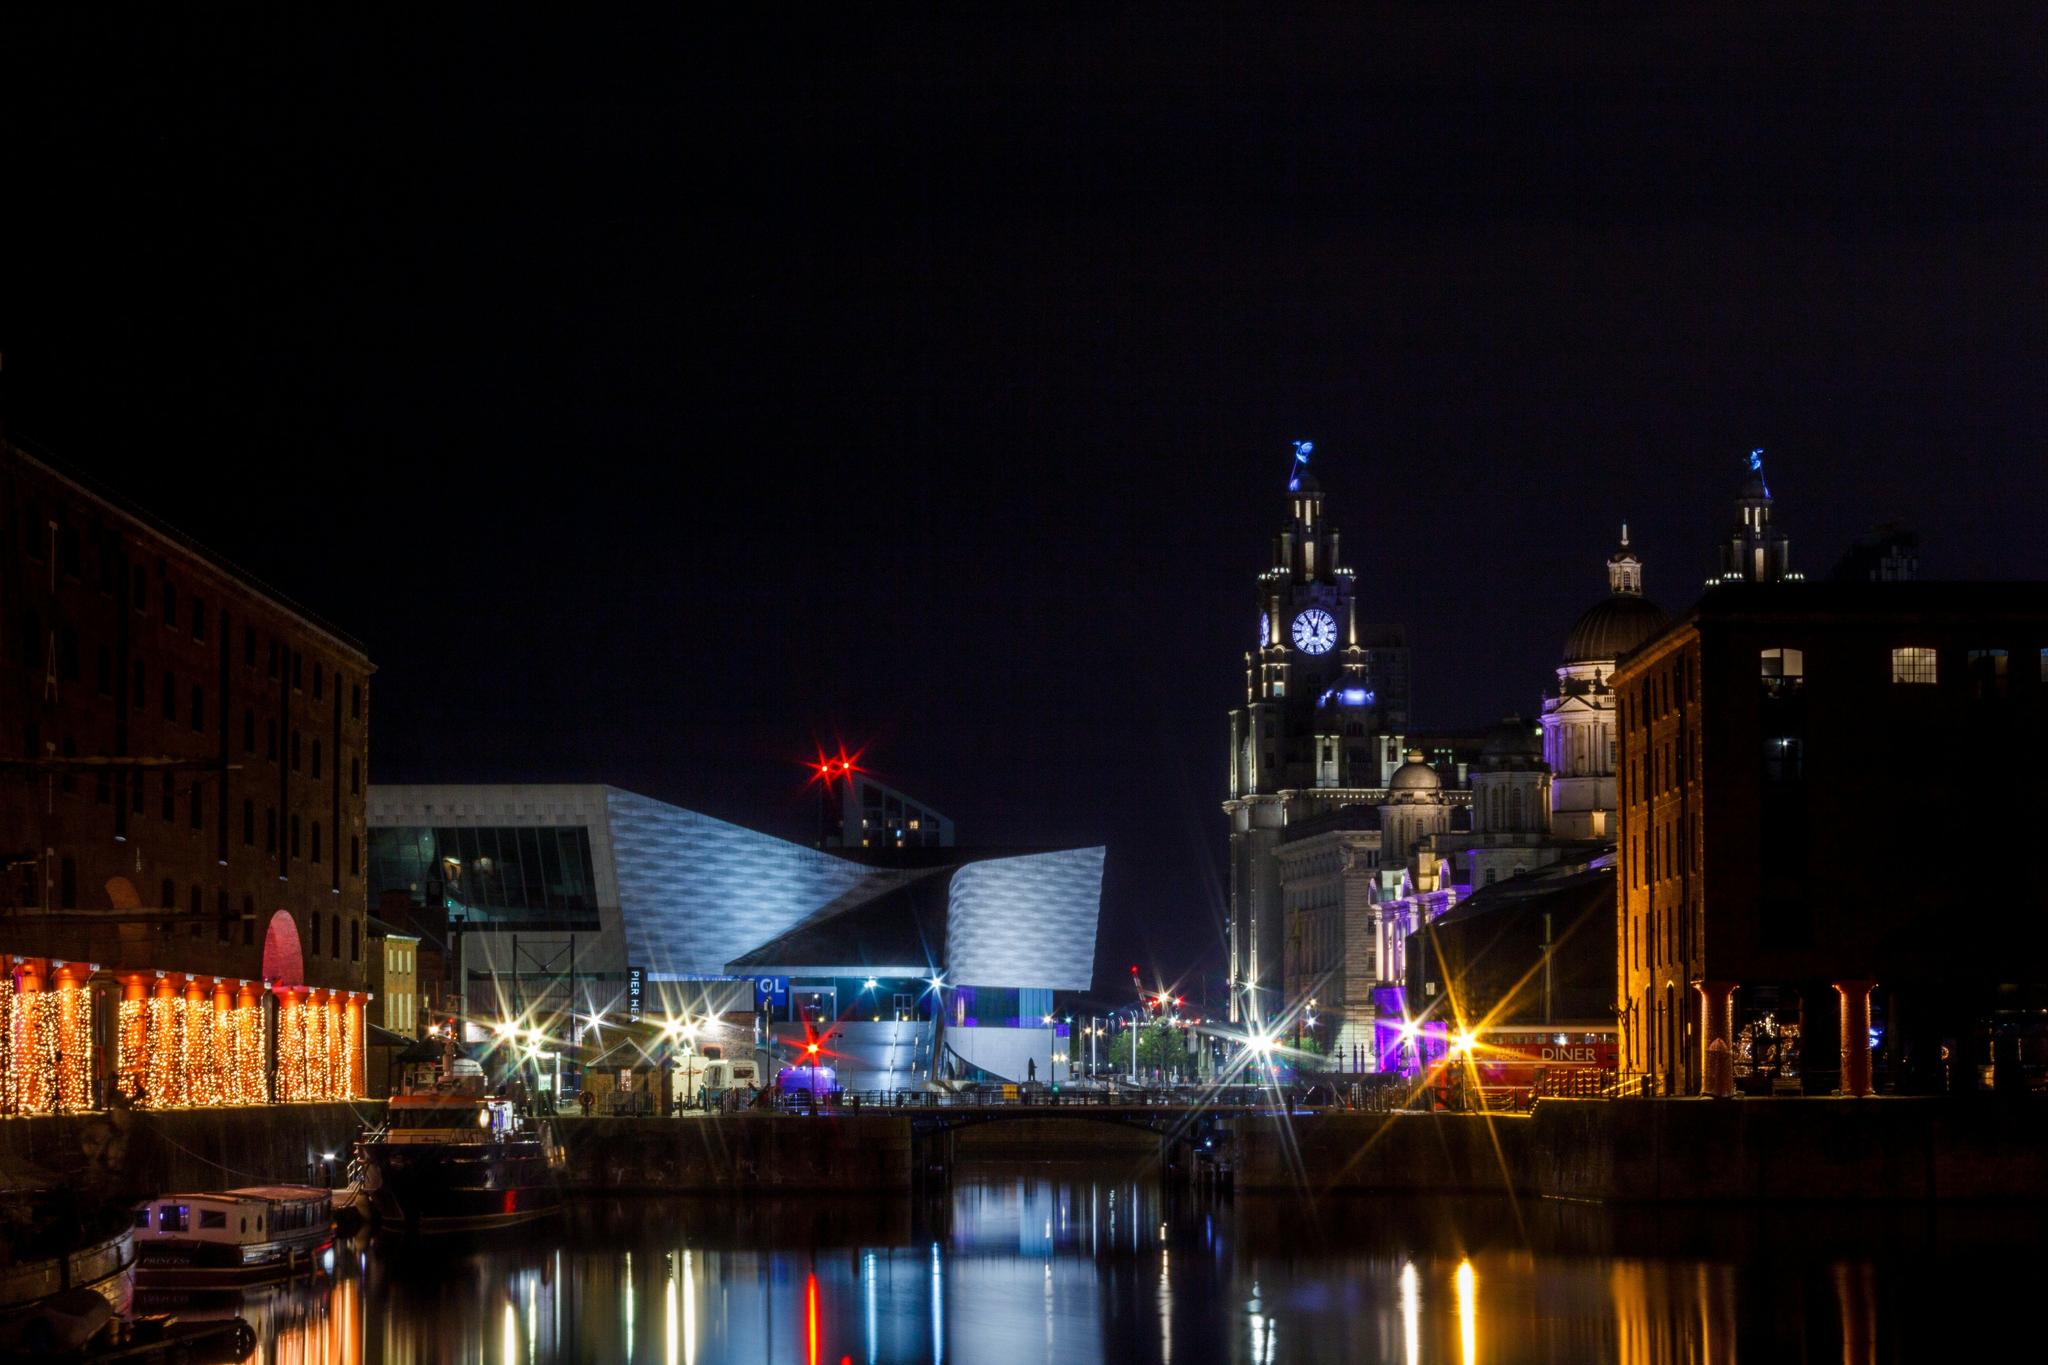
[653, 402]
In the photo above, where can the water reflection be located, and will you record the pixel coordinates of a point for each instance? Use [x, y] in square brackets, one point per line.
[1044, 1265]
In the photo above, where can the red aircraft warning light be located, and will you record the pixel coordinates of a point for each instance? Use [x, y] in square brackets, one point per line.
[830, 768]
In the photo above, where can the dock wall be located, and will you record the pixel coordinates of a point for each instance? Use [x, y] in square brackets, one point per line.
[1883, 1150]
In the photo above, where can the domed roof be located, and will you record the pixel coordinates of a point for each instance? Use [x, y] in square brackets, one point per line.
[1415, 776]
[1612, 627]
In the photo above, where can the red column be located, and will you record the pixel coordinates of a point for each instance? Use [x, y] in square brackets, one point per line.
[1855, 996]
[1717, 1037]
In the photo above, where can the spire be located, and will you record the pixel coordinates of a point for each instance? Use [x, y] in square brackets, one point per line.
[1625, 569]
[1755, 551]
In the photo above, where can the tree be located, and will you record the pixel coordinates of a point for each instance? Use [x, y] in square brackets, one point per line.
[1162, 1047]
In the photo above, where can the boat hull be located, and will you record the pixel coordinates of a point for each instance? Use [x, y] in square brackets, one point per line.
[459, 1187]
[173, 1264]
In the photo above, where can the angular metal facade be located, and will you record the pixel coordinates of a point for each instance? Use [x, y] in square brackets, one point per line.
[1027, 921]
[695, 893]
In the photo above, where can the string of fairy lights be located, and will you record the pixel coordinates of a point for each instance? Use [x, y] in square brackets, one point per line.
[178, 1041]
[45, 1046]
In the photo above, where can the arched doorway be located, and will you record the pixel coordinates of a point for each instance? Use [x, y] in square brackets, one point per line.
[283, 961]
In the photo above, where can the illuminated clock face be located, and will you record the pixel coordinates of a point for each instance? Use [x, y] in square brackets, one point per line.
[1315, 631]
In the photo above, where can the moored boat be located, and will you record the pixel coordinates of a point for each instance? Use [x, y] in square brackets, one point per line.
[261, 1232]
[455, 1160]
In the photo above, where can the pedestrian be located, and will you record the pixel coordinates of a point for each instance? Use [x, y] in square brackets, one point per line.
[587, 1100]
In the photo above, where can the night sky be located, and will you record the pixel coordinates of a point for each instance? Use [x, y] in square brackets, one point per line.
[656, 403]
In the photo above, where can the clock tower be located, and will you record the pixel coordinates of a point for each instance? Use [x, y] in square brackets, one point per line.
[1326, 702]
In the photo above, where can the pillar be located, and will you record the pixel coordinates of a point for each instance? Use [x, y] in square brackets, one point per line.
[1855, 1020]
[34, 1082]
[74, 1038]
[131, 1042]
[358, 1044]
[1717, 1037]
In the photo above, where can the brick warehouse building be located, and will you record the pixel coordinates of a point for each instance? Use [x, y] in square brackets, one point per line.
[1829, 793]
[182, 773]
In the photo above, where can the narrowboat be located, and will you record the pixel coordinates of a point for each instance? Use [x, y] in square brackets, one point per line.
[233, 1236]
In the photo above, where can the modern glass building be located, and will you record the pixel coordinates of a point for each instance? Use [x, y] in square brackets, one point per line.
[589, 899]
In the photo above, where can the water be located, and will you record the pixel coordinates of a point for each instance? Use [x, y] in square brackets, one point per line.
[1052, 1263]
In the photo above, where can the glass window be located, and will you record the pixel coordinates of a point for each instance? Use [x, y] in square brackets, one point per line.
[1783, 670]
[1913, 664]
[1988, 672]
[170, 1217]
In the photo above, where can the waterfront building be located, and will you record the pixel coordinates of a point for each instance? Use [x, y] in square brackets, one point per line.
[1780, 746]
[181, 795]
[568, 901]
[1523, 970]
[1322, 727]
[394, 980]
[1578, 718]
[856, 811]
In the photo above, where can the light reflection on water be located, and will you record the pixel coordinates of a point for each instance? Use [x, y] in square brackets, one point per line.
[1054, 1264]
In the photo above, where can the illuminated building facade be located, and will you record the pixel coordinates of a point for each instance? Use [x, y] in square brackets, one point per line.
[556, 898]
[1578, 718]
[1326, 706]
[1777, 745]
[181, 790]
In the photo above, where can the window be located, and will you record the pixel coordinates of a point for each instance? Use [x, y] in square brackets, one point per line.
[319, 680]
[1987, 673]
[170, 606]
[198, 618]
[270, 740]
[295, 834]
[139, 588]
[249, 822]
[104, 673]
[169, 896]
[198, 808]
[170, 690]
[170, 797]
[1783, 670]
[67, 884]
[212, 1218]
[316, 841]
[355, 941]
[355, 855]
[170, 1217]
[1913, 664]
[316, 758]
[270, 830]
[198, 708]
[334, 937]
[273, 658]
[298, 670]
[248, 646]
[295, 751]
[355, 697]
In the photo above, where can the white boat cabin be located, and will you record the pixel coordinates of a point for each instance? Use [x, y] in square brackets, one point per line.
[258, 1216]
